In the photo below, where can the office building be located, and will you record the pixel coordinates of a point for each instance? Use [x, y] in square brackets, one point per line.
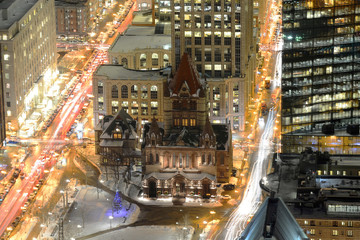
[321, 75]
[218, 35]
[28, 55]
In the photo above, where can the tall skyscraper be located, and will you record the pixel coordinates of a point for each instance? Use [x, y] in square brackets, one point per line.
[321, 74]
[28, 55]
[218, 36]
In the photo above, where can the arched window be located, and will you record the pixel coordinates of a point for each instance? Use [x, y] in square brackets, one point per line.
[155, 59]
[124, 62]
[151, 160]
[180, 161]
[154, 92]
[144, 92]
[203, 161]
[134, 91]
[209, 159]
[114, 91]
[124, 91]
[157, 158]
[143, 60]
[166, 60]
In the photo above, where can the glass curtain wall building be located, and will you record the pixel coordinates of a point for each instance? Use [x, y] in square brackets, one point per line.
[321, 65]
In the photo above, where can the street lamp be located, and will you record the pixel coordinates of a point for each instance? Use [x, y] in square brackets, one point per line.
[111, 218]
[212, 214]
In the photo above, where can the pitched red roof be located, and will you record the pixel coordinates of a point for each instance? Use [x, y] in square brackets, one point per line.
[186, 72]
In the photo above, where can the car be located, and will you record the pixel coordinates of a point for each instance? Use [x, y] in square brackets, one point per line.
[229, 186]
[225, 197]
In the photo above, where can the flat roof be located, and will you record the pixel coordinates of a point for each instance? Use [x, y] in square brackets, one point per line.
[78, 3]
[16, 10]
[142, 17]
[139, 31]
[118, 72]
[130, 43]
[338, 133]
[131, 40]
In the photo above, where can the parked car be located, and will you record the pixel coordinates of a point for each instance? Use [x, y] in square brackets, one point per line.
[229, 186]
[226, 197]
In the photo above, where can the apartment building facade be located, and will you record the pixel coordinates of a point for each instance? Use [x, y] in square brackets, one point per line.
[72, 18]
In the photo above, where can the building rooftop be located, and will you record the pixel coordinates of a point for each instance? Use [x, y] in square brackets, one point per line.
[13, 10]
[118, 72]
[70, 3]
[309, 195]
[131, 41]
[338, 133]
[142, 17]
[273, 221]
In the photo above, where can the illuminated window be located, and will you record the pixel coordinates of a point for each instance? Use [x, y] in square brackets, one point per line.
[154, 92]
[134, 91]
[6, 57]
[192, 122]
[312, 231]
[306, 222]
[335, 232]
[144, 92]
[8, 113]
[185, 122]
[117, 135]
[349, 233]
[177, 122]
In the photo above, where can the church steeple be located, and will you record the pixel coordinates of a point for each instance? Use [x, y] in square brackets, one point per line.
[186, 75]
[208, 137]
[154, 136]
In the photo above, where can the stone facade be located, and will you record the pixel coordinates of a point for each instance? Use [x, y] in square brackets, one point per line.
[186, 155]
[139, 93]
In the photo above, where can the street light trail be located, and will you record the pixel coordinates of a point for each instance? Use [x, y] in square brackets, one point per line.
[252, 197]
[10, 208]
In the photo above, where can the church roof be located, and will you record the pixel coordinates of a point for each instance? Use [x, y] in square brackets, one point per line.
[189, 176]
[186, 73]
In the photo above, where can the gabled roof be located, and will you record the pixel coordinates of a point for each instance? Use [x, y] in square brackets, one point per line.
[184, 138]
[123, 120]
[186, 73]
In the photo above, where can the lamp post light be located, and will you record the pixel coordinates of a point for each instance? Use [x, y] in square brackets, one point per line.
[111, 218]
[212, 219]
